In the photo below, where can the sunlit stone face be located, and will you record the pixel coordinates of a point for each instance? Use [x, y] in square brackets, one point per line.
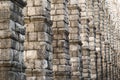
[73, 1]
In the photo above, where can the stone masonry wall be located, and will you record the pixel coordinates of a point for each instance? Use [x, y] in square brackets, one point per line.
[75, 40]
[61, 40]
[12, 35]
[38, 44]
[61, 55]
[85, 40]
[92, 40]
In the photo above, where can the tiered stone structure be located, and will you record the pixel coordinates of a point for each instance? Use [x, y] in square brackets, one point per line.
[85, 39]
[101, 15]
[98, 38]
[75, 40]
[61, 55]
[12, 36]
[38, 44]
[61, 40]
[92, 39]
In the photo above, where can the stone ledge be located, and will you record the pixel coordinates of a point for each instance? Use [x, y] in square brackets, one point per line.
[76, 41]
[22, 2]
[38, 18]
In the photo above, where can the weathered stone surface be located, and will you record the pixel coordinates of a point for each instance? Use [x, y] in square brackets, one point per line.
[38, 49]
[11, 40]
[75, 42]
[61, 56]
[83, 42]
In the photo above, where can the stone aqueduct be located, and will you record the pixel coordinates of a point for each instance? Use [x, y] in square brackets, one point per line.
[58, 40]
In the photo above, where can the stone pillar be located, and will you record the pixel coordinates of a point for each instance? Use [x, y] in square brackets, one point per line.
[113, 64]
[110, 53]
[92, 40]
[118, 66]
[103, 29]
[61, 57]
[12, 35]
[107, 52]
[118, 54]
[106, 61]
[38, 43]
[98, 38]
[104, 46]
[117, 49]
[85, 40]
[75, 41]
[110, 61]
[108, 46]
[102, 38]
[115, 52]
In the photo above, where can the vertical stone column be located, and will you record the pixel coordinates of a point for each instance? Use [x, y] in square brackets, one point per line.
[112, 44]
[115, 52]
[118, 66]
[106, 57]
[75, 41]
[103, 29]
[92, 39]
[102, 38]
[12, 35]
[85, 40]
[104, 43]
[110, 61]
[107, 43]
[116, 49]
[38, 43]
[61, 57]
[118, 54]
[107, 49]
[112, 70]
[113, 65]
[98, 37]
[109, 46]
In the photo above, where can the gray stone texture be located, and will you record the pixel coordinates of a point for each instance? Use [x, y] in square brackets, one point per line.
[58, 40]
[61, 55]
[12, 36]
[75, 40]
[38, 43]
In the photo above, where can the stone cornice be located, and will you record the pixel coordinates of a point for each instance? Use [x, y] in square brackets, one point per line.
[38, 18]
